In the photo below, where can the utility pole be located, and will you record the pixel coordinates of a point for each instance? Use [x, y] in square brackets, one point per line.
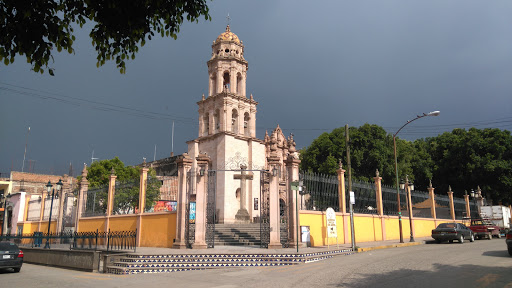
[25, 154]
[347, 142]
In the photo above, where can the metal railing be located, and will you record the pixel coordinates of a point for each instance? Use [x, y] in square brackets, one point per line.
[99, 241]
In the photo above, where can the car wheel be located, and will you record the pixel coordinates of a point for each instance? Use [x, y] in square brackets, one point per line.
[16, 270]
[450, 241]
[489, 236]
[472, 238]
[461, 238]
[438, 241]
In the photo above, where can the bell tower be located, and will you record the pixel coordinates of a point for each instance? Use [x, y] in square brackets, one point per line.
[227, 108]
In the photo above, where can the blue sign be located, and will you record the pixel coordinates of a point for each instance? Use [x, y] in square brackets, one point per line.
[192, 213]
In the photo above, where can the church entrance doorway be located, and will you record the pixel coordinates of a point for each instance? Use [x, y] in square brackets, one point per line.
[246, 230]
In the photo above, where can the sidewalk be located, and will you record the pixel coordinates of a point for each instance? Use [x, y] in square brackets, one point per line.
[360, 247]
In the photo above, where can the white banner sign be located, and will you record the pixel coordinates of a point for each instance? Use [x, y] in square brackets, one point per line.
[332, 232]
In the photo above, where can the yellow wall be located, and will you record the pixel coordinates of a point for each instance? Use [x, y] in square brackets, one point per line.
[158, 230]
[367, 227]
[317, 224]
[123, 223]
[30, 227]
[92, 224]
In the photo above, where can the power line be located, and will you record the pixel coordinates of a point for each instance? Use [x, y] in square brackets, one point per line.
[93, 104]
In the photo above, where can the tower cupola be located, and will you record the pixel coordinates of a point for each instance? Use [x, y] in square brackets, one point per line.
[227, 67]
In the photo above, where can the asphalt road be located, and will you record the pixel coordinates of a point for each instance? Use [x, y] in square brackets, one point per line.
[483, 263]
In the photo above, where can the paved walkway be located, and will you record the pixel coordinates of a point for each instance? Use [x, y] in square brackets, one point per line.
[360, 247]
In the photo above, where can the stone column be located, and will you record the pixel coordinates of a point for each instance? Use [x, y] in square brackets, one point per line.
[432, 201]
[232, 85]
[409, 199]
[275, 228]
[292, 165]
[184, 165]
[468, 210]
[378, 199]
[82, 197]
[220, 81]
[41, 216]
[203, 162]
[142, 199]
[229, 115]
[378, 193]
[341, 189]
[60, 211]
[252, 122]
[450, 195]
[110, 198]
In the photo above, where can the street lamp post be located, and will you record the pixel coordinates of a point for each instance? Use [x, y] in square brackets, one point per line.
[48, 188]
[434, 113]
[475, 195]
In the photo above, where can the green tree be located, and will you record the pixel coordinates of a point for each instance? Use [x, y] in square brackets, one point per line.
[127, 193]
[462, 159]
[36, 28]
[371, 148]
[476, 157]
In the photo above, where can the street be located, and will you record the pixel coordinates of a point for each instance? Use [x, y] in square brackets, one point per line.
[482, 263]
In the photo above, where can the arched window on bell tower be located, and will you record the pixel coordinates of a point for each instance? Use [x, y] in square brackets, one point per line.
[226, 81]
[239, 84]
[247, 119]
[206, 121]
[234, 121]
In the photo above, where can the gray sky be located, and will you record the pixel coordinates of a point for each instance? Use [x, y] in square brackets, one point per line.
[313, 66]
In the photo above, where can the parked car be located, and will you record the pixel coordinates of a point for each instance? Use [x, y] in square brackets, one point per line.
[483, 228]
[452, 231]
[509, 242]
[11, 256]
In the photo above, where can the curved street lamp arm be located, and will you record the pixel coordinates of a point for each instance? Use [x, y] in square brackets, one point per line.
[433, 113]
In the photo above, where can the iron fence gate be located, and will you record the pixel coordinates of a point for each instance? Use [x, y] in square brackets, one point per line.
[264, 209]
[211, 209]
[189, 227]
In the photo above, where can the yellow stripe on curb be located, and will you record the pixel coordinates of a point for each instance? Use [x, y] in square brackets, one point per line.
[388, 246]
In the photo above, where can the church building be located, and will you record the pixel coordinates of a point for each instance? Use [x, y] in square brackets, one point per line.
[227, 135]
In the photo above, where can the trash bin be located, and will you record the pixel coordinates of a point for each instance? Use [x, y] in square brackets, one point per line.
[38, 239]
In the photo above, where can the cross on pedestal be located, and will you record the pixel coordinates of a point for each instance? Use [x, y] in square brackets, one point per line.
[242, 214]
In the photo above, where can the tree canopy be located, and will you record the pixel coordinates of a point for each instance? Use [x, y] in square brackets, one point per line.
[127, 194]
[462, 159]
[35, 28]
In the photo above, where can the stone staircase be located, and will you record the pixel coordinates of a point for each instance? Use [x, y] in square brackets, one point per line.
[134, 264]
[237, 234]
[241, 234]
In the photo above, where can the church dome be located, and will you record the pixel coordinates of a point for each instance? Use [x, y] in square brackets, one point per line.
[228, 36]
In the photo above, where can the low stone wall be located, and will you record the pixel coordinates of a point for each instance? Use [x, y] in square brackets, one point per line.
[75, 259]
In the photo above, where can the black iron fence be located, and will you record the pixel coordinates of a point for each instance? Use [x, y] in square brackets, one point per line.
[320, 191]
[100, 241]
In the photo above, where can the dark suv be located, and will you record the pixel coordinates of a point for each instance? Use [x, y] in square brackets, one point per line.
[10, 256]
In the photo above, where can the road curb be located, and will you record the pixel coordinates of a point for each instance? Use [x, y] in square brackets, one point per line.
[366, 249]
